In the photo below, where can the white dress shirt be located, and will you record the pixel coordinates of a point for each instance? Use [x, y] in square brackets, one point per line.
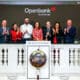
[28, 28]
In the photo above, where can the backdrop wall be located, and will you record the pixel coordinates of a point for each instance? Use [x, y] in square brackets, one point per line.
[41, 13]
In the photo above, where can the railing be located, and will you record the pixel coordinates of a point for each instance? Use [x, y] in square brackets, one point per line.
[12, 60]
[66, 59]
[62, 60]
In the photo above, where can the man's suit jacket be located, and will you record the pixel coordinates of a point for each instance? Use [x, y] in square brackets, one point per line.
[70, 37]
[2, 37]
[44, 34]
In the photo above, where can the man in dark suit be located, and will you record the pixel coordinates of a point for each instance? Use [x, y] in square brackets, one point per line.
[47, 31]
[4, 32]
[69, 32]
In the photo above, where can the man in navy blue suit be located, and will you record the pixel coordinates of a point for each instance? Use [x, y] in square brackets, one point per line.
[69, 32]
[4, 32]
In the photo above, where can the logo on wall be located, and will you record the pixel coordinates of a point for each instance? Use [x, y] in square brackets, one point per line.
[40, 11]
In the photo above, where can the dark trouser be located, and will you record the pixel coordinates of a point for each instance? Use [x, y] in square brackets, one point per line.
[19, 41]
[3, 41]
[69, 41]
[26, 39]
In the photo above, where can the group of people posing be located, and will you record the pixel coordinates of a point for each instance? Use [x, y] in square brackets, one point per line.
[27, 32]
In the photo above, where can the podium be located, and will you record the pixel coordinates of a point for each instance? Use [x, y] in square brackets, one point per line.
[44, 71]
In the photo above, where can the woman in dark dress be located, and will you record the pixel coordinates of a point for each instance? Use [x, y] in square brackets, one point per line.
[57, 33]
